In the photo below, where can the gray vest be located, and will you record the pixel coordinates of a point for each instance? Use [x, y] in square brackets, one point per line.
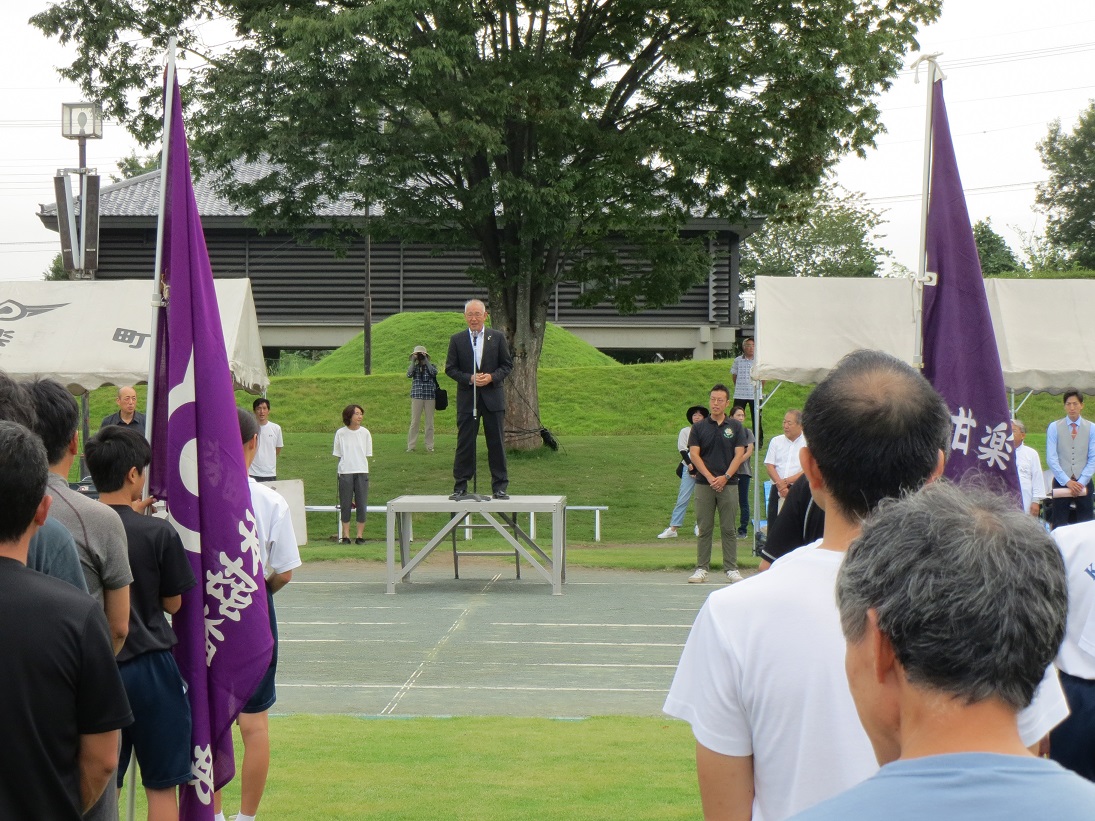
[1072, 453]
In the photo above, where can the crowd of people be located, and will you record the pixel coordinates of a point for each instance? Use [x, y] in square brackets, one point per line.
[89, 632]
[912, 648]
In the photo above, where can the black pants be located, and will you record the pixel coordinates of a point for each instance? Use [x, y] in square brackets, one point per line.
[467, 432]
[1063, 512]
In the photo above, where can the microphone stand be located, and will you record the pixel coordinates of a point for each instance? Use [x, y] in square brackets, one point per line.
[474, 495]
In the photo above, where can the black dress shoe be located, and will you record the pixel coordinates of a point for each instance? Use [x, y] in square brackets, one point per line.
[345, 541]
[458, 495]
[501, 494]
[359, 541]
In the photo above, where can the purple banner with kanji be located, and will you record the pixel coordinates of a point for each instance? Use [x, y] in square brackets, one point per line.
[960, 355]
[198, 470]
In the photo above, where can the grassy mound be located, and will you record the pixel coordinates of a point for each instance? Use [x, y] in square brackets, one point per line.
[396, 337]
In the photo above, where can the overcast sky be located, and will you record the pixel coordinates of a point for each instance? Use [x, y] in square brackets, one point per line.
[1012, 67]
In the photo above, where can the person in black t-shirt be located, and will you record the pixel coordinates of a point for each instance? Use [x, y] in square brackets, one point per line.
[61, 699]
[716, 447]
[160, 733]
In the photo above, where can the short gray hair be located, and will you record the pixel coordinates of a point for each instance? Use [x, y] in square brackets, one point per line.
[970, 591]
[1015, 423]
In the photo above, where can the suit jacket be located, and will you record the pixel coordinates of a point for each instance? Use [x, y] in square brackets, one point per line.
[495, 360]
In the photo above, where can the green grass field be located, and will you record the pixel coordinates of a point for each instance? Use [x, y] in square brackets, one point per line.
[616, 425]
[344, 768]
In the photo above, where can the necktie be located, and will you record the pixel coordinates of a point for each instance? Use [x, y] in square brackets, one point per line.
[1073, 429]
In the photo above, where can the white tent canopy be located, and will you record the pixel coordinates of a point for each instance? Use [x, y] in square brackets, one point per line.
[91, 333]
[805, 325]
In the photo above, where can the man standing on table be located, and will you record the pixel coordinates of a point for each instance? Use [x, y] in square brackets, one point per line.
[716, 447]
[479, 357]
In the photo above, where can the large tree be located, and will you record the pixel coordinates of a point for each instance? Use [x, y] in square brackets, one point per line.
[1068, 197]
[993, 250]
[827, 232]
[547, 133]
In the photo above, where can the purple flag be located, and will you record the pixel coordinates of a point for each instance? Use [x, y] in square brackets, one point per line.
[960, 355]
[198, 470]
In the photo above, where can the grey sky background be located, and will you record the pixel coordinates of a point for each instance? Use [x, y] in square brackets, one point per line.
[1012, 67]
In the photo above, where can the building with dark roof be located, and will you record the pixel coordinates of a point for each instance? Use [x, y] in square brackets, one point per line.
[306, 297]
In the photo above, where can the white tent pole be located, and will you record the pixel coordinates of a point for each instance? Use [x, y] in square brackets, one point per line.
[153, 353]
[922, 276]
[157, 297]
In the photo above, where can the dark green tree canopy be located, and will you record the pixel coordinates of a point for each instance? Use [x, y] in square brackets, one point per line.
[827, 232]
[547, 133]
[993, 250]
[1068, 197]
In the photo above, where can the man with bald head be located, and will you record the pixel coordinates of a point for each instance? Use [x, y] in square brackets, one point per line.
[478, 362]
[127, 414]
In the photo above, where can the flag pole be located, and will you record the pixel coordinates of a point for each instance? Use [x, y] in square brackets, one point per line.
[922, 276]
[158, 299]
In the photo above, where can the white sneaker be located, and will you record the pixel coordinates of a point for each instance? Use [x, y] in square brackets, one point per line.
[733, 576]
[699, 577]
[668, 533]
[696, 530]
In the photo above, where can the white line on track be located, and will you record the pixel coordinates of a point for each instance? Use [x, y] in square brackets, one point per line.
[580, 624]
[592, 643]
[430, 656]
[492, 688]
[343, 623]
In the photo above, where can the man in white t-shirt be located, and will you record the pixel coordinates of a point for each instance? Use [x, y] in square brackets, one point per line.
[280, 557]
[265, 466]
[782, 462]
[1031, 482]
[761, 679]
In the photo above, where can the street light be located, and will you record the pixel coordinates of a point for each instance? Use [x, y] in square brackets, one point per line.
[79, 250]
[83, 122]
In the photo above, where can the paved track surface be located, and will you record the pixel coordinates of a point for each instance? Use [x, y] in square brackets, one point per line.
[486, 644]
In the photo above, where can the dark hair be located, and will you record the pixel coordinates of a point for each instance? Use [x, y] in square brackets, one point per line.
[111, 453]
[58, 416]
[970, 591]
[723, 388]
[16, 404]
[1072, 392]
[23, 472]
[875, 428]
[249, 425]
[262, 400]
[348, 413]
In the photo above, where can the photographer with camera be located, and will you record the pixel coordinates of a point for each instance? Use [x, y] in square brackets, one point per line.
[423, 376]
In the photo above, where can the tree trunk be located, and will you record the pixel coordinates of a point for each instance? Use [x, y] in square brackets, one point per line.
[521, 312]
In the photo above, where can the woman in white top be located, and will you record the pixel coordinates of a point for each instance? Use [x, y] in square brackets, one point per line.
[354, 448]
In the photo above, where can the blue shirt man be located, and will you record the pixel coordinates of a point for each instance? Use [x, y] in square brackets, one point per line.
[1070, 454]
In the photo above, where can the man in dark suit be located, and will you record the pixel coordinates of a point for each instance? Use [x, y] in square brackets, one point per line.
[479, 356]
